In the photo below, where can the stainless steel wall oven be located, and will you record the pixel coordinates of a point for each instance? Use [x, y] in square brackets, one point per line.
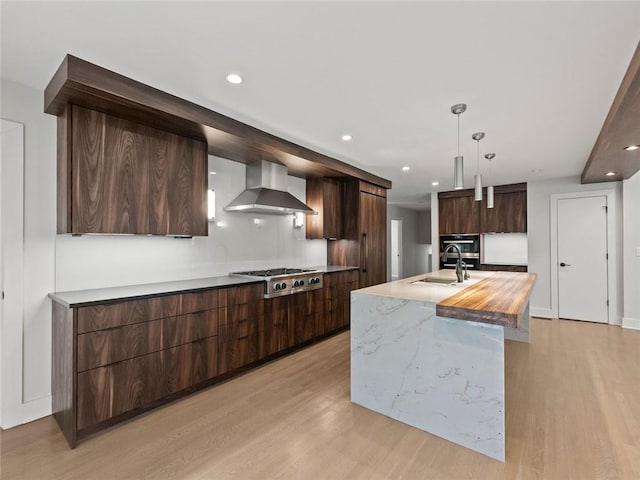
[469, 245]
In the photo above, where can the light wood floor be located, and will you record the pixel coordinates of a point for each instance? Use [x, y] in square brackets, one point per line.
[573, 412]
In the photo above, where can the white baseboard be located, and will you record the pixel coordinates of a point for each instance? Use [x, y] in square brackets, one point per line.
[633, 323]
[541, 312]
[36, 409]
[29, 411]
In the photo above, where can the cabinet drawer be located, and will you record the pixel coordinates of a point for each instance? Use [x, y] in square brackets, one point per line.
[338, 278]
[103, 347]
[198, 301]
[99, 317]
[109, 391]
[273, 339]
[238, 352]
[242, 294]
[504, 268]
[338, 292]
[241, 320]
[305, 327]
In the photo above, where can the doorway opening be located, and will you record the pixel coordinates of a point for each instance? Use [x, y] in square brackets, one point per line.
[396, 249]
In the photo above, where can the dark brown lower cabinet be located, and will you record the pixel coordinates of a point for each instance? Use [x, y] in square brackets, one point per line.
[307, 315]
[504, 268]
[115, 360]
[239, 334]
[337, 294]
[138, 382]
[274, 332]
[290, 321]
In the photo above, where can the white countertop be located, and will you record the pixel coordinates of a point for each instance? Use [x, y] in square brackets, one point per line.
[408, 289]
[79, 298]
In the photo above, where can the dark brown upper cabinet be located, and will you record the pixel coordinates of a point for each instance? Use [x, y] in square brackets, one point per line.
[458, 212]
[508, 215]
[116, 176]
[324, 195]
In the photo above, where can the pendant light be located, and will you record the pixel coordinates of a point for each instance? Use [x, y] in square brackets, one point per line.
[489, 156]
[478, 178]
[458, 162]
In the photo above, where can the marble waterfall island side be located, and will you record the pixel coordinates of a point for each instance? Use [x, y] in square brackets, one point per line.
[442, 375]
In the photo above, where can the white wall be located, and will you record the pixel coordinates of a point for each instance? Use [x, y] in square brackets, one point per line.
[414, 255]
[424, 226]
[538, 234]
[61, 262]
[24, 105]
[237, 241]
[631, 251]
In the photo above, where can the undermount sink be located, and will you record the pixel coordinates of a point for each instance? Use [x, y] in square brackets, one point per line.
[440, 280]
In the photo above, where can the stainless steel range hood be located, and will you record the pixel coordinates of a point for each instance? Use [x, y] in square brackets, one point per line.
[266, 192]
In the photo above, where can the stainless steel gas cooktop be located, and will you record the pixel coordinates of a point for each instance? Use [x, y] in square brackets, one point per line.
[285, 281]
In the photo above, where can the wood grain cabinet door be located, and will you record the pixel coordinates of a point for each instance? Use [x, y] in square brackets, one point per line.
[274, 333]
[137, 383]
[373, 238]
[508, 215]
[130, 178]
[238, 336]
[324, 195]
[459, 214]
[178, 185]
[110, 174]
[302, 318]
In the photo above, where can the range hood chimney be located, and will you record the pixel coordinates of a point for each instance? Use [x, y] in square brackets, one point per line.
[266, 192]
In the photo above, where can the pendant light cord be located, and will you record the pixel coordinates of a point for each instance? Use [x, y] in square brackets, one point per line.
[478, 155]
[489, 172]
[458, 115]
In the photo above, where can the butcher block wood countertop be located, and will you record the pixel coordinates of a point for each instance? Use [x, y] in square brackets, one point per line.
[500, 298]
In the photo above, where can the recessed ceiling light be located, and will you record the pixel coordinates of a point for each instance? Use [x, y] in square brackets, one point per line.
[212, 173]
[234, 78]
[610, 174]
[435, 184]
[346, 137]
[406, 169]
[632, 147]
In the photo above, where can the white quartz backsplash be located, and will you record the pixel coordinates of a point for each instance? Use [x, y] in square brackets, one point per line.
[504, 249]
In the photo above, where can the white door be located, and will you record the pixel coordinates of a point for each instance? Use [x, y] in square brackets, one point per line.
[11, 271]
[396, 249]
[582, 259]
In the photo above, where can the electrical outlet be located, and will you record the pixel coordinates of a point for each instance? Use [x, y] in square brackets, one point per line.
[637, 251]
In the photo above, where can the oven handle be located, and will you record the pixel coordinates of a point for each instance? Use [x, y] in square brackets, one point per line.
[464, 255]
[469, 265]
[458, 241]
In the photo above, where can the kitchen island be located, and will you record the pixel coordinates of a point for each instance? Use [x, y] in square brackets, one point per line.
[431, 354]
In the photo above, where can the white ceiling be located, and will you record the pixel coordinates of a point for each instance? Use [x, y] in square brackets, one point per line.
[538, 78]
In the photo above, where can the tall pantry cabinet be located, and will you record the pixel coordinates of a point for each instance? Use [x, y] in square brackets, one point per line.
[364, 240]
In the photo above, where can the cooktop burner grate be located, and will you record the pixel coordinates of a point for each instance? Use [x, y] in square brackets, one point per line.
[272, 272]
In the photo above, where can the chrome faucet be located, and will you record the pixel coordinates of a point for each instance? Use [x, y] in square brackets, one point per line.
[458, 262]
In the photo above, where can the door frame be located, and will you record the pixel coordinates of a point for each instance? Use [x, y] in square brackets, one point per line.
[11, 267]
[400, 252]
[612, 248]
